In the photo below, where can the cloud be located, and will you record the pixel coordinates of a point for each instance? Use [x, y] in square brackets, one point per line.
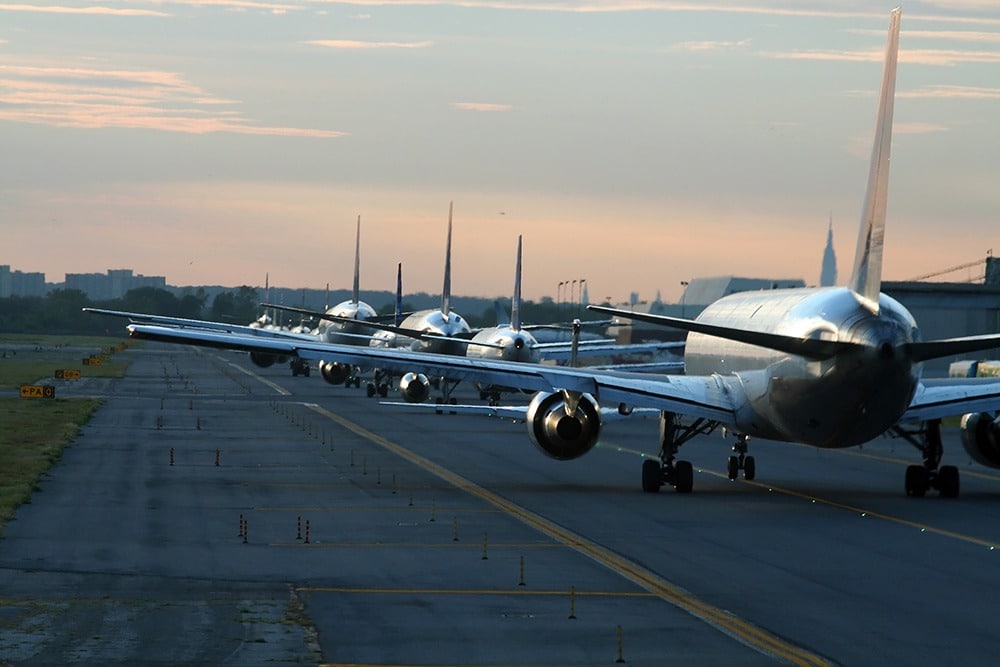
[103, 98]
[705, 46]
[919, 128]
[106, 11]
[952, 92]
[481, 106]
[937, 57]
[975, 36]
[357, 44]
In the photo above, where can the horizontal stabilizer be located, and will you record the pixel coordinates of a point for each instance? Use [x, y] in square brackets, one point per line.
[936, 349]
[809, 348]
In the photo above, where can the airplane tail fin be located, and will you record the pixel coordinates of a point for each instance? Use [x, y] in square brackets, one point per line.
[446, 289]
[515, 303]
[866, 279]
[357, 264]
[398, 316]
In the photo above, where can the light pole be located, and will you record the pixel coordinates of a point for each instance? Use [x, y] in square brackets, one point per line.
[684, 284]
[559, 293]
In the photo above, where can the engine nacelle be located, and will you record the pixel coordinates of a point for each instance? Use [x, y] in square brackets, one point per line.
[266, 360]
[415, 387]
[981, 438]
[334, 372]
[559, 435]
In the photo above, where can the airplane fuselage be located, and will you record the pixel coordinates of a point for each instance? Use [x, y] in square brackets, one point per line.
[434, 323]
[358, 312]
[505, 344]
[841, 401]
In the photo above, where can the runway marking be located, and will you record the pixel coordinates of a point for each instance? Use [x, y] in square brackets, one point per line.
[423, 509]
[263, 380]
[425, 545]
[923, 527]
[472, 591]
[737, 628]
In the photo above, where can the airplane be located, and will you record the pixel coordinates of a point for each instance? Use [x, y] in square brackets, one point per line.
[830, 367]
[346, 324]
[507, 341]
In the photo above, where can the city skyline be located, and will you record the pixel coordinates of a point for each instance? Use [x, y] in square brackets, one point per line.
[637, 144]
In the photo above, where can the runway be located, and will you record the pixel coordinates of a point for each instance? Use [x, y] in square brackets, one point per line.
[447, 540]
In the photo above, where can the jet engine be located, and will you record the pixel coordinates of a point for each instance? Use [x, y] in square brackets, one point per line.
[334, 372]
[265, 360]
[981, 438]
[415, 387]
[559, 434]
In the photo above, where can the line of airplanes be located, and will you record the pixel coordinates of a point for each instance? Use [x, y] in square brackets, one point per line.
[829, 367]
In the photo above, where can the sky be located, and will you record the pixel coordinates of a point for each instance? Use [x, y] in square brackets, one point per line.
[635, 144]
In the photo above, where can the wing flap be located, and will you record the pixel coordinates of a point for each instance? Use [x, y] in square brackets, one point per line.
[951, 397]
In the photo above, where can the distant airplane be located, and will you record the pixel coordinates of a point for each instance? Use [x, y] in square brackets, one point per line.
[829, 367]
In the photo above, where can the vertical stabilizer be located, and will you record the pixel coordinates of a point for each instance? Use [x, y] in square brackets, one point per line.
[357, 264]
[446, 289]
[866, 279]
[398, 318]
[515, 303]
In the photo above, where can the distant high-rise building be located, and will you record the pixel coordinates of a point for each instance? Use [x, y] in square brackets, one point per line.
[828, 274]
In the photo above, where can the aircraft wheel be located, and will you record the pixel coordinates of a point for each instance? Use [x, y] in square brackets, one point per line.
[652, 476]
[749, 468]
[734, 468]
[917, 481]
[383, 390]
[370, 390]
[683, 477]
[948, 481]
[357, 383]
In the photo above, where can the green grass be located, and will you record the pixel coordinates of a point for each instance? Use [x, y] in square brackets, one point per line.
[55, 340]
[34, 432]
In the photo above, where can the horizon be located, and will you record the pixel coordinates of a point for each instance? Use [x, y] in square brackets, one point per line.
[636, 145]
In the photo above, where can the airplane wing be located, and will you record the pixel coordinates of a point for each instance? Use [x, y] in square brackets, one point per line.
[183, 322]
[711, 397]
[948, 397]
[516, 413]
[563, 350]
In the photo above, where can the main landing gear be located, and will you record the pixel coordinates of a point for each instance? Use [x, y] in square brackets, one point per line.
[446, 386]
[678, 474]
[380, 384]
[920, 478]
[740, 461]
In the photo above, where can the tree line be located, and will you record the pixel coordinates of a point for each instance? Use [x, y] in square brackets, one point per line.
[60, 310]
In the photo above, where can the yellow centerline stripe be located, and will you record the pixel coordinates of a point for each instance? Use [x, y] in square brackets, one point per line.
[924, 527]
[473, 591]
[418, 545]
[739, 629]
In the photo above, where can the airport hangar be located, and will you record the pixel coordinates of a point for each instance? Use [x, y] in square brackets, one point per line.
[942, 309]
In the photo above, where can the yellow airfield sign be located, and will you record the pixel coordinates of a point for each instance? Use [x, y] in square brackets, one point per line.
[37, 391]
[67, 374]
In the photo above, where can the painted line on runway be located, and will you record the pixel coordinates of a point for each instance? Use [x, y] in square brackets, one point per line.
[923, 527]
[724, 621]
[263, 380]
[349, 508]
[422, 545]
[472, 591]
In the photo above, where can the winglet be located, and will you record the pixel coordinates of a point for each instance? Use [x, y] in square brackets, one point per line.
[357, 264]
[515, 303]
[446, 290]
[866, 279]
